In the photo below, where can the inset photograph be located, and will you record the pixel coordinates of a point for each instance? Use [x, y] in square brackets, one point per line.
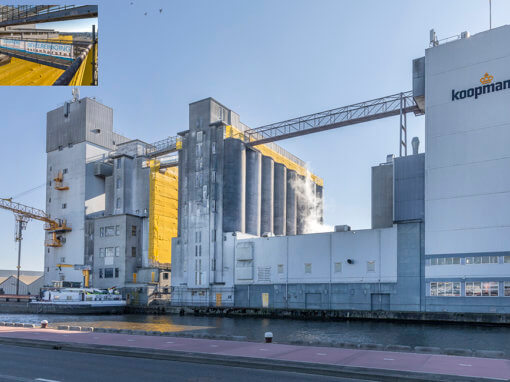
[48, 45]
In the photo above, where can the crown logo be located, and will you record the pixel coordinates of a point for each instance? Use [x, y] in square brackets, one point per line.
[486, 79]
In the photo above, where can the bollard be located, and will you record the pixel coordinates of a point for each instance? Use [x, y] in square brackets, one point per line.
[44, 324]
[269, 337]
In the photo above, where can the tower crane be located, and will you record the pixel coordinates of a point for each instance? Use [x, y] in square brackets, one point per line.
[23, 214]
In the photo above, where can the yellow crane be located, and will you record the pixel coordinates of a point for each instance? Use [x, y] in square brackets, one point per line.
[23, 214]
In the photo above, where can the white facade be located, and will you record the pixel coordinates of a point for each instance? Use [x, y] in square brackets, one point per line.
[467, 187]
[318, 258]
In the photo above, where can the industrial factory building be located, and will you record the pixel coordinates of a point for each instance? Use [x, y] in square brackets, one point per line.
[235, 221]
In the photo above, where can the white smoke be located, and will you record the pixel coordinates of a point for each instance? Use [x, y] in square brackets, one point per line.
[313, 206]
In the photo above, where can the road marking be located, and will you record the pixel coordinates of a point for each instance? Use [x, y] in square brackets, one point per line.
[321, 354]
[389, 359]
[131, 340]
[263, 349]
[464, 364]
[214, 346]
[170, 342]
[46, 380]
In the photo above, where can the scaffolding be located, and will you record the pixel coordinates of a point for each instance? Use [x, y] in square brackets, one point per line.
[11, 15]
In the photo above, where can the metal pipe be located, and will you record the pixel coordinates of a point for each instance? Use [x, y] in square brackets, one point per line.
[94, 74]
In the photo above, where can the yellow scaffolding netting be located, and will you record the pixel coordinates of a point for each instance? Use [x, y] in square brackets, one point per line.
[232, 132]
[163, 209]
[83, 76]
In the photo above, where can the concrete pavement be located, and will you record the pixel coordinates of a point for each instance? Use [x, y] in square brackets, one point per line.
[353, 363]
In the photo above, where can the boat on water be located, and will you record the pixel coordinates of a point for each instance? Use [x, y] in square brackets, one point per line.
[79, 301]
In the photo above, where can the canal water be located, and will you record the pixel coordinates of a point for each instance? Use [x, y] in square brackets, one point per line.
[468, 336]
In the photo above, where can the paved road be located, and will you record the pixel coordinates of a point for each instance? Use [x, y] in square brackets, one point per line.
[25, 364]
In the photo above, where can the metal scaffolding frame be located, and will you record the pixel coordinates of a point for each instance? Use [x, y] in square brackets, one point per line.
[11, 15]
[393, 105]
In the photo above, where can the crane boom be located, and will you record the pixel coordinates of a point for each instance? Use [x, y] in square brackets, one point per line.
[29, 212]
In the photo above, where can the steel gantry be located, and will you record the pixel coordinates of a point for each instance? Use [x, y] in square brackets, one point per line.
[393, 105]
[11, 15]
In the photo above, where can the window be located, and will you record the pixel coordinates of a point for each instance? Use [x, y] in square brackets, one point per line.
[63, 260]
[101, 232]
[204, 192]
[371, 266]
[118, 163]
[101, 252]
[116, 273]
[280, 269]
[133, 251]
[213, 176]
[117, 251]
[64, 205]
[198, 250]
[507, 288]
[338, 267]
[100, 273]
[165, 276]
[133, 230]
[64, 171]
[507, 259]
[199, 136]
[482, 288]
[308, 268]
[108, 273]
[482, 260]
[49, 200]
[213, 148]
[109, 231]
[118, 203]
[198, 236]
[51, 168]
[117, 184]
[117, 230]
[445, 289]
[109, 252]
[199, 150]
[213, 205]
[213, 235]
[445, 261]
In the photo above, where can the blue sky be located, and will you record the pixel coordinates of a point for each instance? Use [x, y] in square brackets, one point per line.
[266, 60]
[81, 25]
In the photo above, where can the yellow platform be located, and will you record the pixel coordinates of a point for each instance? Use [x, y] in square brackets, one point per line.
[26, 73]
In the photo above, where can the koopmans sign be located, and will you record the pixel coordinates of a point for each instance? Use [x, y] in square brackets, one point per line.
[487, 87]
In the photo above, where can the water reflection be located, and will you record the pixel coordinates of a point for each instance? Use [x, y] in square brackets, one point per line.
[469, 336]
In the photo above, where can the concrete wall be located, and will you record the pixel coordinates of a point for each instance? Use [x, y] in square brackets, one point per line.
[409, 188]
[382, 195]
[395, 284]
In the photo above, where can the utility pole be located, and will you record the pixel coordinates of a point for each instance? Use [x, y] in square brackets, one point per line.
[22, 224]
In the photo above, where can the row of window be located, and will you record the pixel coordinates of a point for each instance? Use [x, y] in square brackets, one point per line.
[472, 288]
[467, 260]
[114, 252]
[308, 266]
[108, 273]
[114, 231]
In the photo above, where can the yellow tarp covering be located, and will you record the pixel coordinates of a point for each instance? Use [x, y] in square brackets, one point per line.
[164, 190]
[232, 132]
[83, 76]
[21, 72]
